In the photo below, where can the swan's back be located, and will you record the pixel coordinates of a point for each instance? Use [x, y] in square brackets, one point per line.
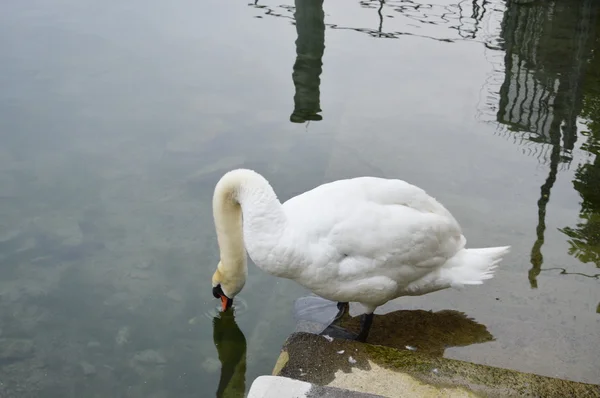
[378, 222]
[361, 191]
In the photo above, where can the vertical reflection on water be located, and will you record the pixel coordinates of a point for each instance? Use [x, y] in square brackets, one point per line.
[230, 343]
[310, 46]
[545, 64]
[584, 238]
[548, 46]
[465, 19]
[477, 15]
[537, 258]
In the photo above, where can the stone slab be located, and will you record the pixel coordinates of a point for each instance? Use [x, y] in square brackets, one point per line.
[283, 387]
[390, 372]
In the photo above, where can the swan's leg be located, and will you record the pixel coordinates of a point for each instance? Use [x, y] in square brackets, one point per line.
[365, 326]
[343, 307]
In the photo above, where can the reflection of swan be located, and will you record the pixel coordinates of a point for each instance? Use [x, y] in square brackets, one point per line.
[366, 240]
[310, 45]
[231, 346]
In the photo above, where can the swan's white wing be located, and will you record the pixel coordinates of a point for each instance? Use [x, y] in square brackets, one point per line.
[395, 240]
[372, 228]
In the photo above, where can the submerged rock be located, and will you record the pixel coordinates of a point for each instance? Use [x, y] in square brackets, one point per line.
[93, 344]
[64, 230]
[14, 350]
[211, 365]
[88, 368]
[175, 296]
[122, 336]
[142, 275]
[314, 314]
[149, 357]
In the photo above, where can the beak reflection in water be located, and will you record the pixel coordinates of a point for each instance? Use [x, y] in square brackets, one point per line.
[230, 343]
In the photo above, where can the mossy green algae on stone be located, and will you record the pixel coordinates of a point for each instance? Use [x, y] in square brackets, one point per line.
[317, 360]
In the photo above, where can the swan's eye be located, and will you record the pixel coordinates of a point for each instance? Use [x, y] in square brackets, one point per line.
[218, 292]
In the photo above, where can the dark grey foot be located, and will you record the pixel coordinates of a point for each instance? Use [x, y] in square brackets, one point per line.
[338, 333]
[366, 321]
[343, 307]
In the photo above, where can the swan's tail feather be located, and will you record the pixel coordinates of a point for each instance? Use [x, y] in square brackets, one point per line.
[473, 266]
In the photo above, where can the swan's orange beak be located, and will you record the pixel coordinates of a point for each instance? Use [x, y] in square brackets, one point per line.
[226, 302]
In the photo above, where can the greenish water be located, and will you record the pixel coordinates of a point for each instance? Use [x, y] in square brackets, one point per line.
[117, 119]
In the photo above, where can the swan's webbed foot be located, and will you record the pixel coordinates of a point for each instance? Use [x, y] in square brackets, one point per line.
[343, 307]
[338, 333]
[366, 320]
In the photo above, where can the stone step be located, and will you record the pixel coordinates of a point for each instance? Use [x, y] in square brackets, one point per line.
[390, 372]
[284, 387]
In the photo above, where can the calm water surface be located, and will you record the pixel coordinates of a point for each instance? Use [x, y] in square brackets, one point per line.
[117, 119]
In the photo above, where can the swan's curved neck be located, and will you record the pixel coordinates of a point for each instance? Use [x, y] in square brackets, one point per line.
[245, 205]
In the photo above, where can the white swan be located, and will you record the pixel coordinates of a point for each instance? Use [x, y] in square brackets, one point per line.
[366, 240]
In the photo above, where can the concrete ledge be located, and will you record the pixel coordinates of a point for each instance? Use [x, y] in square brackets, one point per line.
[389, 372]
[283, 387]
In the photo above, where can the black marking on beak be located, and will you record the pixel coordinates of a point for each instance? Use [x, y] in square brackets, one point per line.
[218, 292]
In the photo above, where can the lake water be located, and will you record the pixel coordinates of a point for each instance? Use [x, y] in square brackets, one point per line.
[118, 118]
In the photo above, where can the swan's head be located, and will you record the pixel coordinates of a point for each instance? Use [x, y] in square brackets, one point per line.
[227, 282]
